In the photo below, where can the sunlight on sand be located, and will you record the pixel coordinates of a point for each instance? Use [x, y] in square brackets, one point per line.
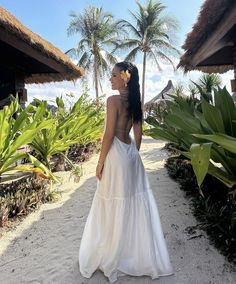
[65, 192]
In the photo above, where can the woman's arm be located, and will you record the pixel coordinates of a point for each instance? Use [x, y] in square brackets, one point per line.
[108, 134]
[138, 132]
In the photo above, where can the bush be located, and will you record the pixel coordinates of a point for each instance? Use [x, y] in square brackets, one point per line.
[215, 210]
[22, 196]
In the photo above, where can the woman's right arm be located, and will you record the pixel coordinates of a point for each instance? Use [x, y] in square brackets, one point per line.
[137, 127]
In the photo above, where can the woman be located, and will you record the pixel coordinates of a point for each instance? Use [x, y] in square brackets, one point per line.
[123, 233]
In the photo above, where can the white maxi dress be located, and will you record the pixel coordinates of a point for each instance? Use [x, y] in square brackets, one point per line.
[123, 233]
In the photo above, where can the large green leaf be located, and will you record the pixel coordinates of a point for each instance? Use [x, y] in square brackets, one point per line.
[20, 122]
[41, 166]
[152, 121]
[213, 117]
[206, 129]
[225, 103]
[219, 155]
[221, 175]
[200, 156]
[225, 141]
[26, 137]
[8, 164]
[183, 104]
[5, 127]
[184, 122]
[159, 133]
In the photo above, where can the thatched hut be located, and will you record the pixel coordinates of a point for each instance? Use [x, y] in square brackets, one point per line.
[211, 45]
[169, 89]
[158, 102]
[25, 57]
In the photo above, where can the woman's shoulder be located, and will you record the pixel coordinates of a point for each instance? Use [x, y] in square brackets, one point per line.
[112, 101]
[113, 98]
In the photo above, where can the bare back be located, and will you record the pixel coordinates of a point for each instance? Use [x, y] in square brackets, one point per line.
[124, 122]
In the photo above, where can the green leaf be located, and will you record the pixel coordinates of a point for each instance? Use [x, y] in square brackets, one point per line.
[225, 103]
[213, 117]
[7, 164]
[218, 155]
[159, 133]
[41, 166]
[20, 121]
[200, 156]
[184, 122]
[221, 175]
[225, 141]
[152, 121]
[5, 126]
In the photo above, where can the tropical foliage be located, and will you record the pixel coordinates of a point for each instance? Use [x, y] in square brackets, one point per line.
[99, 38]
[17, 131]
[152, 34]
[47, 135]
[22, 196]
[81, 124]
[205, 86]
[204, 133]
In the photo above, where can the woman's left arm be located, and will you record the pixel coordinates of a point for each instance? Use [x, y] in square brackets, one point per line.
[108, 134]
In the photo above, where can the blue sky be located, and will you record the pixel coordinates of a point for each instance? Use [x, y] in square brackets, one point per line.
[50, 20]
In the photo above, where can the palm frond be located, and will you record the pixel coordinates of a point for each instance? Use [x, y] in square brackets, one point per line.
[153, 56]
[123, 24]
[165, 58]
[132, 54]
[164, 46]
[129, 43]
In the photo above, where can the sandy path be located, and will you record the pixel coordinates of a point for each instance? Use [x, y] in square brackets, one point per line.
[44, 248]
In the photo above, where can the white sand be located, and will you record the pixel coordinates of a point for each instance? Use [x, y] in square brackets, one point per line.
[44, 247]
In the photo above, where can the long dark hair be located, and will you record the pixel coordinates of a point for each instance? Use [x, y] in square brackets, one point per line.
[134, 109]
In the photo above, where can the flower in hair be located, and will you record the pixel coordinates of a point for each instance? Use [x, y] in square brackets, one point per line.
[125, 75]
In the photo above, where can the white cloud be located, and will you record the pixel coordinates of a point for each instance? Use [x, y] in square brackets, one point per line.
[50, 91]
[154, 83]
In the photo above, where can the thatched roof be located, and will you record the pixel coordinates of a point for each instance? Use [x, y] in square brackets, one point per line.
[165, 91]
[212, 13]
[11, 28]
[169, 88]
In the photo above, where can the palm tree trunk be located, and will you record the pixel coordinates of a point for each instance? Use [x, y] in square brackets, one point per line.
[143, 79]
[96, 77]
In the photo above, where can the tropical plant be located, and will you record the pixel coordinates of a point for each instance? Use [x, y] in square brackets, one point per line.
[16, 132]
[153, 35]
[207, 137]
[99, 37]
[193, 90]
[206, 84]
[22, 196]
[80, 124]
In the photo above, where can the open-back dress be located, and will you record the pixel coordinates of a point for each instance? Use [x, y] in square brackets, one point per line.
[123, 233]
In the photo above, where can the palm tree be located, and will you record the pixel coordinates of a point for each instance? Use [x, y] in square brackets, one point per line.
[205, 85]
[152, 35]
[98, 34]
[209, 81]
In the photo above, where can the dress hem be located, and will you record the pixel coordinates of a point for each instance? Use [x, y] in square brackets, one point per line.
[125, 274]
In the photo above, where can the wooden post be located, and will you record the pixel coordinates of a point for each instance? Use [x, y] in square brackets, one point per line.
[20, 89]
[12, 83]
